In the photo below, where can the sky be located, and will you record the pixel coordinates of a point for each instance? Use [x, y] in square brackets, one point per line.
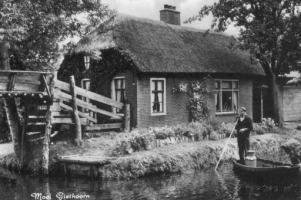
[150, 9]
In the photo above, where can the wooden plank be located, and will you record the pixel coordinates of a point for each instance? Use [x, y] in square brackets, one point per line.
[90, 95]
[98, 127]
[45, 84]
[12, 82]
[56, 107]
[29, 77]
[28, 82]
[67, 98]
[24, 72]
[60, 114]
[3, 86]
[36, 117]
[33, 133]
[30, 88]
[91, 161]
[79, 113]
[83, 121]
[36, 123]
[20, 92]
[4, 78]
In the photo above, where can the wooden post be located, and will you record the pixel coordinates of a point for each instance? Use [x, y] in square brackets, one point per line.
[127, 120]
[78, 129]
[13, 123]
[24, 131]
[10, 104]
[45, 156]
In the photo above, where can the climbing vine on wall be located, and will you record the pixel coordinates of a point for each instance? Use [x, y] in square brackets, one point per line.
[198, 94]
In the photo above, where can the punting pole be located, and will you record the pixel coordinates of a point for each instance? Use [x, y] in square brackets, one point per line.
[225, 146]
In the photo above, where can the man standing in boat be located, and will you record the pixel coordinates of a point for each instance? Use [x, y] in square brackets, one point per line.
[244, 126]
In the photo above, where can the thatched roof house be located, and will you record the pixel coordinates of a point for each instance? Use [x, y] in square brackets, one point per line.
[156, 46]
[148, 59]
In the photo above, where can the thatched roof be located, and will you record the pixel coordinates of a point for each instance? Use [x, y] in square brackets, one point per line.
[155, 46]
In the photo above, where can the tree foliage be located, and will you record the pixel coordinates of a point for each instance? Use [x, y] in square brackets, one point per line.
[269, 29]
[34, 28]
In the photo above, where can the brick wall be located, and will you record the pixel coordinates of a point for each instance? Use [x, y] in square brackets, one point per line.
[131, 95]
[176, 111]
[138, 96]
[170, 17]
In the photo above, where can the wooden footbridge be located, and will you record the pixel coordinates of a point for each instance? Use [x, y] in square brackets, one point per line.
[47, 101]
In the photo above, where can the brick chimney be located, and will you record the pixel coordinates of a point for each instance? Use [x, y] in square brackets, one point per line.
[170, 15]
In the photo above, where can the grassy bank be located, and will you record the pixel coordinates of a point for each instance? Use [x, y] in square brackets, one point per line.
[183, 157]
[175, 158]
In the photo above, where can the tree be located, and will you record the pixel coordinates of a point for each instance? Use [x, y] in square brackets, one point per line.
[269, 29]
[34, 28]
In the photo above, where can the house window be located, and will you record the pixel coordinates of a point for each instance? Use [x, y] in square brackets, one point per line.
[226, 96]
[158, 96]
[118, 92]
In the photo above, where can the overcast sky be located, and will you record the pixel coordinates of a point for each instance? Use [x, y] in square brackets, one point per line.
[150, 9]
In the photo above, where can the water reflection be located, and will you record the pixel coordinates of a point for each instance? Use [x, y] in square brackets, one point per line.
[206, 184]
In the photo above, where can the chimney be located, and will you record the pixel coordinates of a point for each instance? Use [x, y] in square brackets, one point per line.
[170, 15]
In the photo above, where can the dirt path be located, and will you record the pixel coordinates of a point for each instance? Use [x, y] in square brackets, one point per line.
[6, 148]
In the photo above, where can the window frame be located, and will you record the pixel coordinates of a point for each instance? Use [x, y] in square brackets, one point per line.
[232, 90]
[113, 93]
[164, 97]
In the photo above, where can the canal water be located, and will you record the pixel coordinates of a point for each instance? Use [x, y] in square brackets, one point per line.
[197, 184]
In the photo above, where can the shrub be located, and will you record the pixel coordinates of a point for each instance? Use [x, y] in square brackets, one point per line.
[136, 140]
[214, 123]
[267, 125]
[257, 128]
[227, 129]
[180, 129]
[163, 132]
[213, 136]
[198, 130]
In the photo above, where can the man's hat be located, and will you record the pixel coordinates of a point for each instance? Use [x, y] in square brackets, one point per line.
[243, 109]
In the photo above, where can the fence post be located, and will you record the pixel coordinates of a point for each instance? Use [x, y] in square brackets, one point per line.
[127, 118]
[45, 152]
[78, 129]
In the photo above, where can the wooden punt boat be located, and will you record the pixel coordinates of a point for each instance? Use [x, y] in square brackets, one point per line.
[267, 170]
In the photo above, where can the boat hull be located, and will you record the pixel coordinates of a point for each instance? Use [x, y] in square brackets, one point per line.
[267, 171]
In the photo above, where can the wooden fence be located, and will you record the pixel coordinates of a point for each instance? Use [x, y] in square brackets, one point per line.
[87, 111]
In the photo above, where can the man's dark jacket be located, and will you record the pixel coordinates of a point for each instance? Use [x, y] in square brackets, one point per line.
[246, 123]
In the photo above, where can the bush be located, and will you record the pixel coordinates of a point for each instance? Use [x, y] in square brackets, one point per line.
[214, 122]
[198, 130]
[213, 136]
[180, 130]
[139, 139]
[258, 130]
[267, 125]
[227, 129]
[163, 132]
[136, 140]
